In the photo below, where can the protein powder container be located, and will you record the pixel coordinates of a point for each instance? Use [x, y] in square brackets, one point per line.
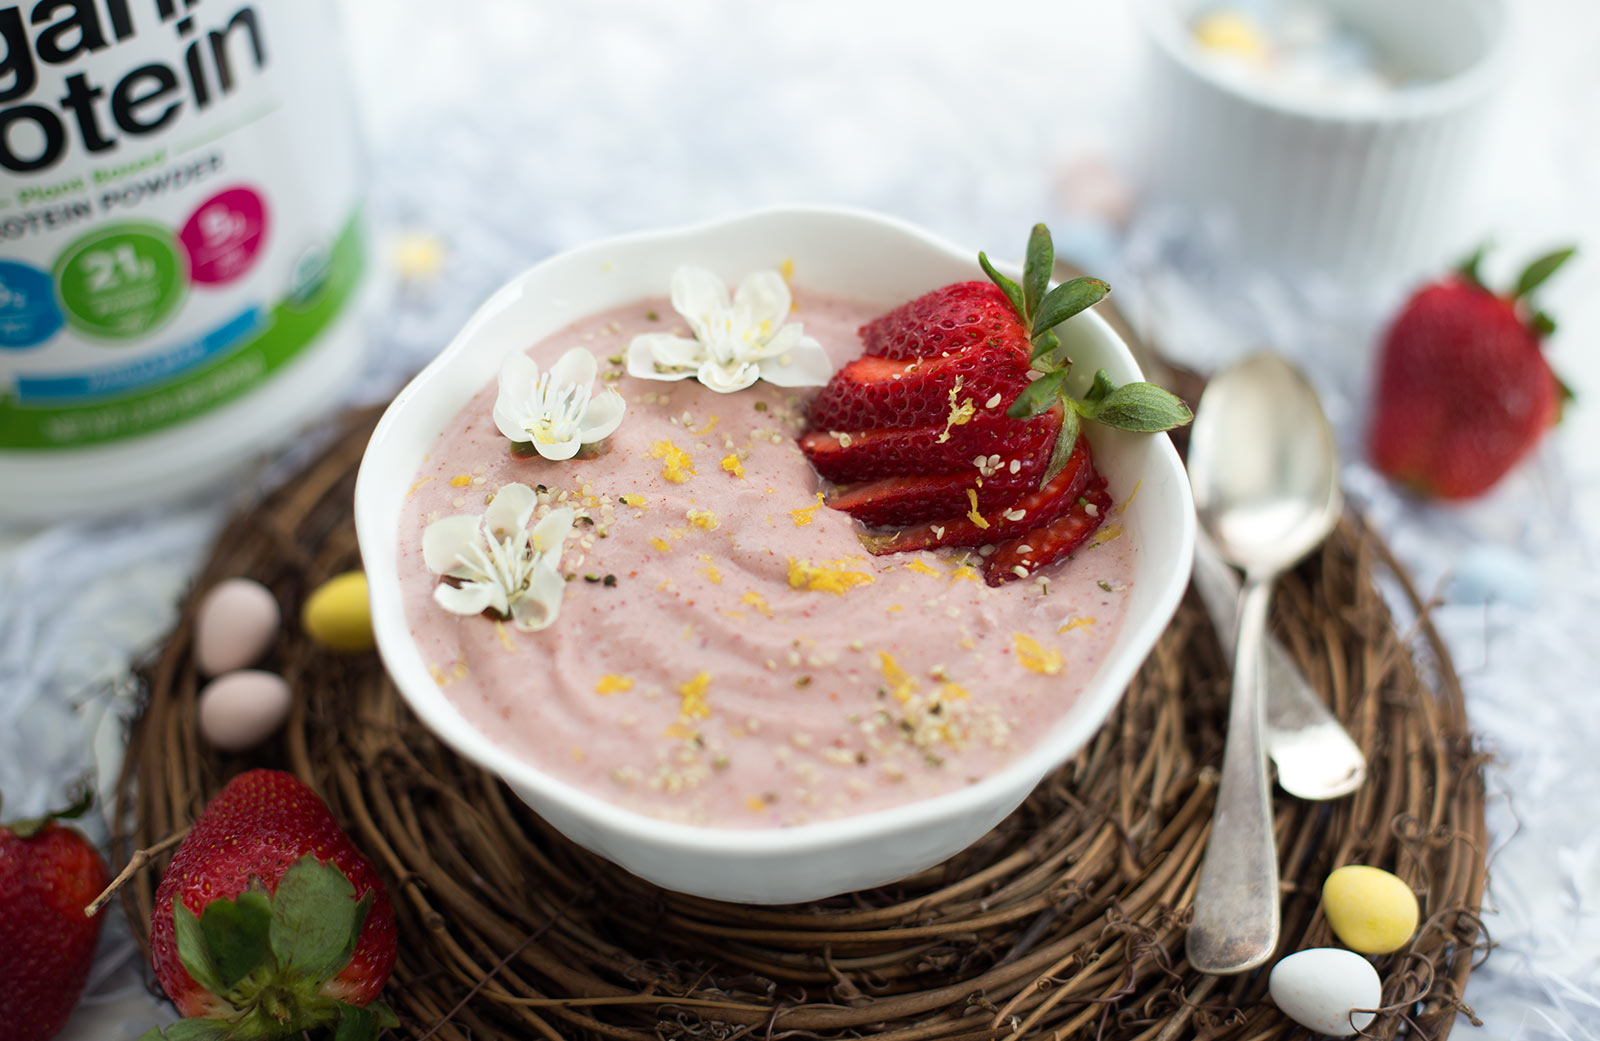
[181, 244]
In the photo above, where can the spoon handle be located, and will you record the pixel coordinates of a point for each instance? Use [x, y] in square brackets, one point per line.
[1235, 926]
[1315, 756]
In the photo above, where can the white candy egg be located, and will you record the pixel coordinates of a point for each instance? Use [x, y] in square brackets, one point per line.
[1318, 988]
[243, 708]
[234, 626]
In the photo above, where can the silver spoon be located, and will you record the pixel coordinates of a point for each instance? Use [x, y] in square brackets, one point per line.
[1265, 474]
[1315, 756]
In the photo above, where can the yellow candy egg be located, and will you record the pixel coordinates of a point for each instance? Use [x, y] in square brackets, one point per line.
[338, 614]
[1231, 32]
[1370, 910]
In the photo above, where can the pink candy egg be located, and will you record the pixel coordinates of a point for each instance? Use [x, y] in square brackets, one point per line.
[243, 708]
[234, 626]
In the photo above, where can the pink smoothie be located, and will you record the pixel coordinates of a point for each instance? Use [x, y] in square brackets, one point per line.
[727, 653]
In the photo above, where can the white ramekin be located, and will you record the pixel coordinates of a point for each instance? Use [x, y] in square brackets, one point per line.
[1359, 193]
[848, 252]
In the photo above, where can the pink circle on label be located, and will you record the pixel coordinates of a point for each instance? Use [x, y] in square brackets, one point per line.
[224, 236]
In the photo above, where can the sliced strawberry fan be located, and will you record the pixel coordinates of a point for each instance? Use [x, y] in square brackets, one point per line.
[955, 428]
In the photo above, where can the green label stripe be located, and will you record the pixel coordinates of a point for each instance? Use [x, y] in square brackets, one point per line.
[290, 326]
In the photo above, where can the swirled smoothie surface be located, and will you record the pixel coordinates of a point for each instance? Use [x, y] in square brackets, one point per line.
[727, 653]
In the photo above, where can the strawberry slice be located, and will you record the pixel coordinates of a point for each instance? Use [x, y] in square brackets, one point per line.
[992, 436]
[873, 392]
[914, 499]
[946, 321]
[1026, 513]
[1027, 553]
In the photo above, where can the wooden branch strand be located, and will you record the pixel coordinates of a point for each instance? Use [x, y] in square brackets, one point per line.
[1066, 921]
[136, 863]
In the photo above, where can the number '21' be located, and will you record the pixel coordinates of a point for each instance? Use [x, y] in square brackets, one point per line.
[111, 268]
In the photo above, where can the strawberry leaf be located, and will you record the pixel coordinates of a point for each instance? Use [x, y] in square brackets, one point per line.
[1470, 268]
[193, 950]
[316, 919]
[355, 1024]
[1047, 352]
[1066, 439]
[1141, 407]
[1535, 274]
[28, 828]
[1012, 291]
[190, 1030]
[1036, 269]
[1066, 300]
[1101, 388]
[235, 933]
[386, 1015]
[1038, 396]
[1543, 325]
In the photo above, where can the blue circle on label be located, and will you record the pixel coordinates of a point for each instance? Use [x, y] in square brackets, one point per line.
[28, 312]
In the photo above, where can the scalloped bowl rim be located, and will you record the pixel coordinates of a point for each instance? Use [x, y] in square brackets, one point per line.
[376, 524]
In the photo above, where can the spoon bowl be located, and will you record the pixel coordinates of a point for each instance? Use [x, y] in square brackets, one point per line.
[1265, 473]
[1263, 465]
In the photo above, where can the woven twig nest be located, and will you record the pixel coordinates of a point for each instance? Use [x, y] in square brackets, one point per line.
[1067, 920]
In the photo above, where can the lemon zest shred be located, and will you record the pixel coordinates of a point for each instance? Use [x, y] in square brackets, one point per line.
[705, 519]
[732, 465]
[973, 515]
[612, 683]
[901, 686]
[1075, 623]
[806, 514]
[921, 568]
[960, 415]
[693, 704]
[831, 577]
[677, 465]
[1105, 535]
[417, 485]
[1035, 657]
[757, 601]
[460, 480]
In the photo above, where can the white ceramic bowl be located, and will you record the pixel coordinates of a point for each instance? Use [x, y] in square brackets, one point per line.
[847, 252]
[1363, 192]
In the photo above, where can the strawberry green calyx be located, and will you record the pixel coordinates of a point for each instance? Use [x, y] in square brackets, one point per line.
[1532, 277]
[31, 826]
[268, 958]
[1139, 407]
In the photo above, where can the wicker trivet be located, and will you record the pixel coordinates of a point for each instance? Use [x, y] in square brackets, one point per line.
[1067, 920]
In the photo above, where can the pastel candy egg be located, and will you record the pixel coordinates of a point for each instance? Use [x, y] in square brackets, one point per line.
[1319, 988]
[243, 708]
[1369, 909]
[234, 625]
[338, 614]
[1231, 32]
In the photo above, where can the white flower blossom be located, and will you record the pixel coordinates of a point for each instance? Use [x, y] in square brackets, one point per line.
[735, 342]
[497, 564]
[555, 410]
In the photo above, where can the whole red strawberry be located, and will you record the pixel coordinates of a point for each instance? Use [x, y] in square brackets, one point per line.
[270, 921]
[956, 426]
[1464, 392]
[47, 875]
